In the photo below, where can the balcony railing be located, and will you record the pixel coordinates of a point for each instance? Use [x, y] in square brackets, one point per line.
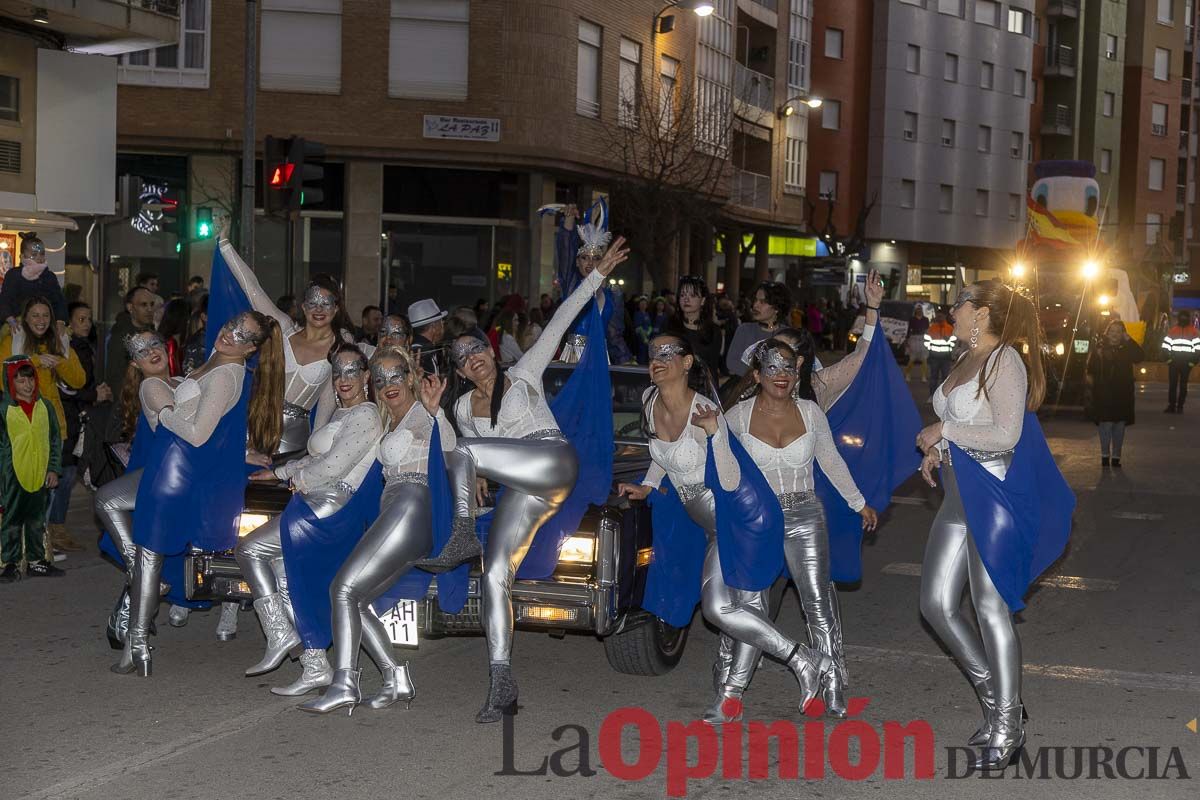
[1060, 61]
[1059, 121]
[168, 7]
[1180, 193]
[1187, 90]
[1063, 8]
[1158, 130]
[773, 5]
[754, 88]
[1183, 143]
[751, 189]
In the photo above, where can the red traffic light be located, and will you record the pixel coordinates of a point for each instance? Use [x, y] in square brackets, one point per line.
[281, 176]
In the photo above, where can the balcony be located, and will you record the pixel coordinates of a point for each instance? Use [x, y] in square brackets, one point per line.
[1059, 121]
[1063, 8]
[105, 27]
[751, 189]
[1183, 144]
[1186, 93]
[1180, 194]
[1188, 34]
[1060, 62]
[754, 95]
[770, 5]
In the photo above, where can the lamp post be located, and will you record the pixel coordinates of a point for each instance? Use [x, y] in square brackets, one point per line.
[789, 106]
[665, 23]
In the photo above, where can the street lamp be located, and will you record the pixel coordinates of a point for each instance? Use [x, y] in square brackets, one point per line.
[666, 24]
[789, 106]
[1090, 269]
[1018, 270]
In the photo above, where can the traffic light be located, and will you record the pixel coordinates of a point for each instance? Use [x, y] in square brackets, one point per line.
[277, 174]
[204, 223]
[307, 178]
[172, 213]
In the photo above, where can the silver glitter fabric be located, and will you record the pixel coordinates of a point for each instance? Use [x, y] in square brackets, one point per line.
[348, 368]
[139, 345]
[393, 327]
[241, 333]
[317, 299]
[465, 348]
[774, 364]
[383, 376]
[666, 352]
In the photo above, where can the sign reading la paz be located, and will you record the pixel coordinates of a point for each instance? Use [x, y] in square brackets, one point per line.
[473, 129]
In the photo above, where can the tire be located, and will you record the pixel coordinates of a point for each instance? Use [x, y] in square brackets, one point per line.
[651, 648]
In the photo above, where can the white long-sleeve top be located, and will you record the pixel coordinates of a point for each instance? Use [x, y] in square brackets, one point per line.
[155, 394]
[683, 459]
[201, 403]
[405, 448]
[987, 423]
[304, 385]
[829, 383]
[523, 409]
[340, 451]
[789, 468]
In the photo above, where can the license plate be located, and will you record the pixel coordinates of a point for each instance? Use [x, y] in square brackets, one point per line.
[400, 621]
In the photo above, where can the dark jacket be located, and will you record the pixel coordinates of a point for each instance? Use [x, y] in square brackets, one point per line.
[434, 358]
[115, 357]
[16, 290]
[77, 402]
[1111, 369]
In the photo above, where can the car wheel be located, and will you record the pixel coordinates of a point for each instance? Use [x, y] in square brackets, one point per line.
[651, 648]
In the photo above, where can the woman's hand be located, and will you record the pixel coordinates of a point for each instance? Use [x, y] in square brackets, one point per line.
[51, 480]
[103, 393]
[258, 459]
[928, 438]
[263, 475]
[929, 463]
[481, 491]
[870, 518]
[432, 388]
[706, 417]
[874, 290]
[617, 253]
[48, 361]
[634, 491]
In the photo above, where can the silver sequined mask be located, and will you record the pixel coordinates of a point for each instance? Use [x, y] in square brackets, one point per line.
[348, 370]
[775, 364]
[37, 251]
[317, 299]
[666, 352]
[241, 333]
[140, 345]
[464, 349]
[393, 327]
[384, 376]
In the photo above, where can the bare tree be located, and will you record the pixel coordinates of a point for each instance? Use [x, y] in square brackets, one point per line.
[220, 193]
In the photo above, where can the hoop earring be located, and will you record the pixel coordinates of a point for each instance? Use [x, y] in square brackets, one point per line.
[974, 341]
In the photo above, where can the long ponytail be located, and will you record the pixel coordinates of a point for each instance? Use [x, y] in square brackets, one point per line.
[266, 398]
[1014, 320]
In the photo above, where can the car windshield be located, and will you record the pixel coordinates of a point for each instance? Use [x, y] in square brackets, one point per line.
[628, 383]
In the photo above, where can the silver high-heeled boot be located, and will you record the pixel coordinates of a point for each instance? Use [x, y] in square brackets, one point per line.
[811, 669]
[987, 703]
[281, 634]
[397, 685]
[342, 693]
[727, 707]
[1007, 739]
[317, 674]
[834, 695]
[227, 625]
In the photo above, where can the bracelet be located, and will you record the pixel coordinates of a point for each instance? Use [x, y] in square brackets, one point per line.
[872, 308]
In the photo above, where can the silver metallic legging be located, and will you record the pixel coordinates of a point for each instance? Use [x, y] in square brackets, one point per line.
[739, 613]
[538, 475]
[806, 550]
[951, 562]
[296, 431]
[114, 506]
[402, 534]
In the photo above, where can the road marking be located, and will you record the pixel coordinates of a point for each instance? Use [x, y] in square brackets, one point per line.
[1137, 515]
[1050, 581]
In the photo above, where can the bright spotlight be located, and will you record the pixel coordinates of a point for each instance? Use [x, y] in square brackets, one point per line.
[1018, 269]
[1104, 299]
[1090, 269]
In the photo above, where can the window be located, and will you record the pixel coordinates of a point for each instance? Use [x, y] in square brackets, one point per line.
[587, 75]
[954, 7]
[629, 83]
[947, 133]
[833, 43]
[1110, 47]
[908, 194]
[987, 12]
[828, 186]
[985, 139]
[666, 87]
[1014, 206]
[428, 49]
[714, 80]
[1033, 90]
[10, 98]
[161, 66]
[1019, 82]
[1106, 161]
[1158, 168]
[1158, 119]
[981, 202]
[987, 75]
[1153, 228]
[831, 115]
[1018, 21]
[1016, 146]
[910, 126]
[799, 40]
[945, 198]
[912, 62]
[316, 66]
[1166, 12]
[1162, 64]
[950, 72]
[1108, 104]
[795, 153]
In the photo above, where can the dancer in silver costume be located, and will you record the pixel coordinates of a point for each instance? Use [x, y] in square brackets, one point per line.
[981, 406]
[340, 454]
[677, 420]
[305, 350]
[402, 534]
[783, 433]
[508, 434]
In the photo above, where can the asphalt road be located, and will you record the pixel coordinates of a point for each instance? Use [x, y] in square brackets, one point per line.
[1111, 646]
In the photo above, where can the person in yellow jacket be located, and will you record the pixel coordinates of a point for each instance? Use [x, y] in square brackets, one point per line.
[36, 336]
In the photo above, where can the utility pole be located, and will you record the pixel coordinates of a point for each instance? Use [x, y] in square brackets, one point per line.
[246, 228]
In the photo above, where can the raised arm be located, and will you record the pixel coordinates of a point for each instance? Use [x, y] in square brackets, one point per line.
[1006, 393]
[831, 461]
[728, 471]
[359, 433]
[220, 393]
[538, 357]
[830, 383]
[253, 289]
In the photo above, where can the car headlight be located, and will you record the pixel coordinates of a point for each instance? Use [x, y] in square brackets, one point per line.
[1059, 349]
[251, 522]
[578, 550]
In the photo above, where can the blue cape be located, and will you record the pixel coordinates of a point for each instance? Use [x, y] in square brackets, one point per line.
[1020, 524]
[225, 299]
[874, 424]
[677, 562]
[452, 585]
[315, 549]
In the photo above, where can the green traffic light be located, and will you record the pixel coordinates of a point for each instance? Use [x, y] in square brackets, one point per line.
[204, 230]
[178, 247]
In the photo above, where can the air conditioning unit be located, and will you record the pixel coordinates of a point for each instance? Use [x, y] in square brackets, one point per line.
[1015, 152]
[1111, 55]
[947, 141]
[1158, 130]
[910, 136]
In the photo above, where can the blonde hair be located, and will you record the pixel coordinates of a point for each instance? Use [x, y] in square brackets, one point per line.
[413, 381]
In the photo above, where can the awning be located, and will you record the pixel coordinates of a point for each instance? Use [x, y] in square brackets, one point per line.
[16, 220]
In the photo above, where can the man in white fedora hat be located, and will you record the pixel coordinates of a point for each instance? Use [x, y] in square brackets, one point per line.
[428, 331]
